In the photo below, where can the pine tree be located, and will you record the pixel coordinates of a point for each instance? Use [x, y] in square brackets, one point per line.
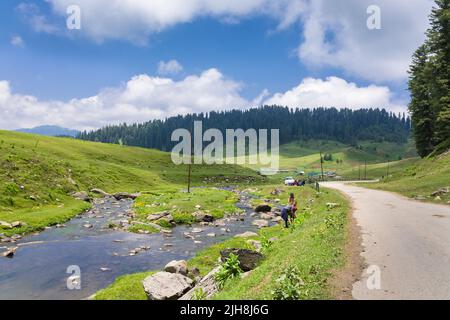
[439, 43]
[422, 114]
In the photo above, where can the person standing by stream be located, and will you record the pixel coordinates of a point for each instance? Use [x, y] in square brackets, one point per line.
[288, 212]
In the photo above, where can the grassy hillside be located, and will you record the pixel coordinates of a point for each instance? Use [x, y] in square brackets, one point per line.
[416, 178]
[306, 154]
[38, 174]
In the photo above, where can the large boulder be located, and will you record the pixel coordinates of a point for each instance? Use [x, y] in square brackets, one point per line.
[261, 223]
[124, 195]
[207, 285]
[263, 208]
[177, 266]
[166, 286]
[248, 259]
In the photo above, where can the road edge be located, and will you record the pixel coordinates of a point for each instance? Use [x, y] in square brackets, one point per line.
[343, 278]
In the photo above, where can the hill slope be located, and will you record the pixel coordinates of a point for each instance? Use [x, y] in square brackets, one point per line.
[38, 174]
[416, 178]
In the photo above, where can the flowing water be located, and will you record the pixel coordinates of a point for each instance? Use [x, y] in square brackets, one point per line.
[39, 267]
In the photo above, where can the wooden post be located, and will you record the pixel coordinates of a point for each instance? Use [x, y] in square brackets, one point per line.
[190, 165]
[359, 172]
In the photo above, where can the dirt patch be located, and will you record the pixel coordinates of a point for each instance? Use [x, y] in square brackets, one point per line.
[343, 278]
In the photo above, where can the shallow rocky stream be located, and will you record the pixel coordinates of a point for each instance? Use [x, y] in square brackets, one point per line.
[38, 269]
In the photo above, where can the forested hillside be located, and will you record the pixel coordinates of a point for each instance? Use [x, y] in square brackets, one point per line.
[345, 125]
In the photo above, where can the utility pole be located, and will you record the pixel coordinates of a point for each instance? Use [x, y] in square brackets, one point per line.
[321, 164]
[190, 165]
[365, 169]
[387, 175]
[359, 172]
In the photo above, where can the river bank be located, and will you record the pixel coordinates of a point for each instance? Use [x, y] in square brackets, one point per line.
[315, 246]
[38, 269]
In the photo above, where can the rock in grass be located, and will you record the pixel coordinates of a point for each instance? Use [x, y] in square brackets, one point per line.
[333, 205]
[256, 244]
[82, 195]
[248, 259]
[441, 192]
[5, 225]
[177, 266]
[157, 216]
[166, 286]
[18, 224]
[100, 192]
[247, 234]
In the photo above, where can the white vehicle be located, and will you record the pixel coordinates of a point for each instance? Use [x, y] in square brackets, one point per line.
[289, 181]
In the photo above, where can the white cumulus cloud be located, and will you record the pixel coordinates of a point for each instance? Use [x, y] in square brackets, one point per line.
[169, 68]
[17, 41]
[336, 34]
[335, 92]
[333, 33]
[142, 98]
[145, 97]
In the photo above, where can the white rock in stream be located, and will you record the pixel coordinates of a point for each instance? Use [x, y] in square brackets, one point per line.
[261, 223]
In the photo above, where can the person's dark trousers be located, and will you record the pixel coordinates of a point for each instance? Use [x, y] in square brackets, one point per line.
[285, 216]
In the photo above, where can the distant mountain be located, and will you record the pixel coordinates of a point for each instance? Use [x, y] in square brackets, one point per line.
[51, 131]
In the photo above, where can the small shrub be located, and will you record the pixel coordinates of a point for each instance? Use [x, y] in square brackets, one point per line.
[164, 223]
[266, 244]
[289, 285]
[199, 294]
[230, 269]
[12, 189]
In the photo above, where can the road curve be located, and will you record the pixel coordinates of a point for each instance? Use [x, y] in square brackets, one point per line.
[406, 240]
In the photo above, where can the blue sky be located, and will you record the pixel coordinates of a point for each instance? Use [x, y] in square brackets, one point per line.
[240, 54]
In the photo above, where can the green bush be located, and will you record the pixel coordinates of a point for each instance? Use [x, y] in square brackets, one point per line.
[230, 269]
[289, 285]
[12, 189]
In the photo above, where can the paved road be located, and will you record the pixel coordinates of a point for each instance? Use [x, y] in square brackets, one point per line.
[408, 241]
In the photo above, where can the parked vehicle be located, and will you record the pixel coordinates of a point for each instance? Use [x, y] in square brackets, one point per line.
[289, 181]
